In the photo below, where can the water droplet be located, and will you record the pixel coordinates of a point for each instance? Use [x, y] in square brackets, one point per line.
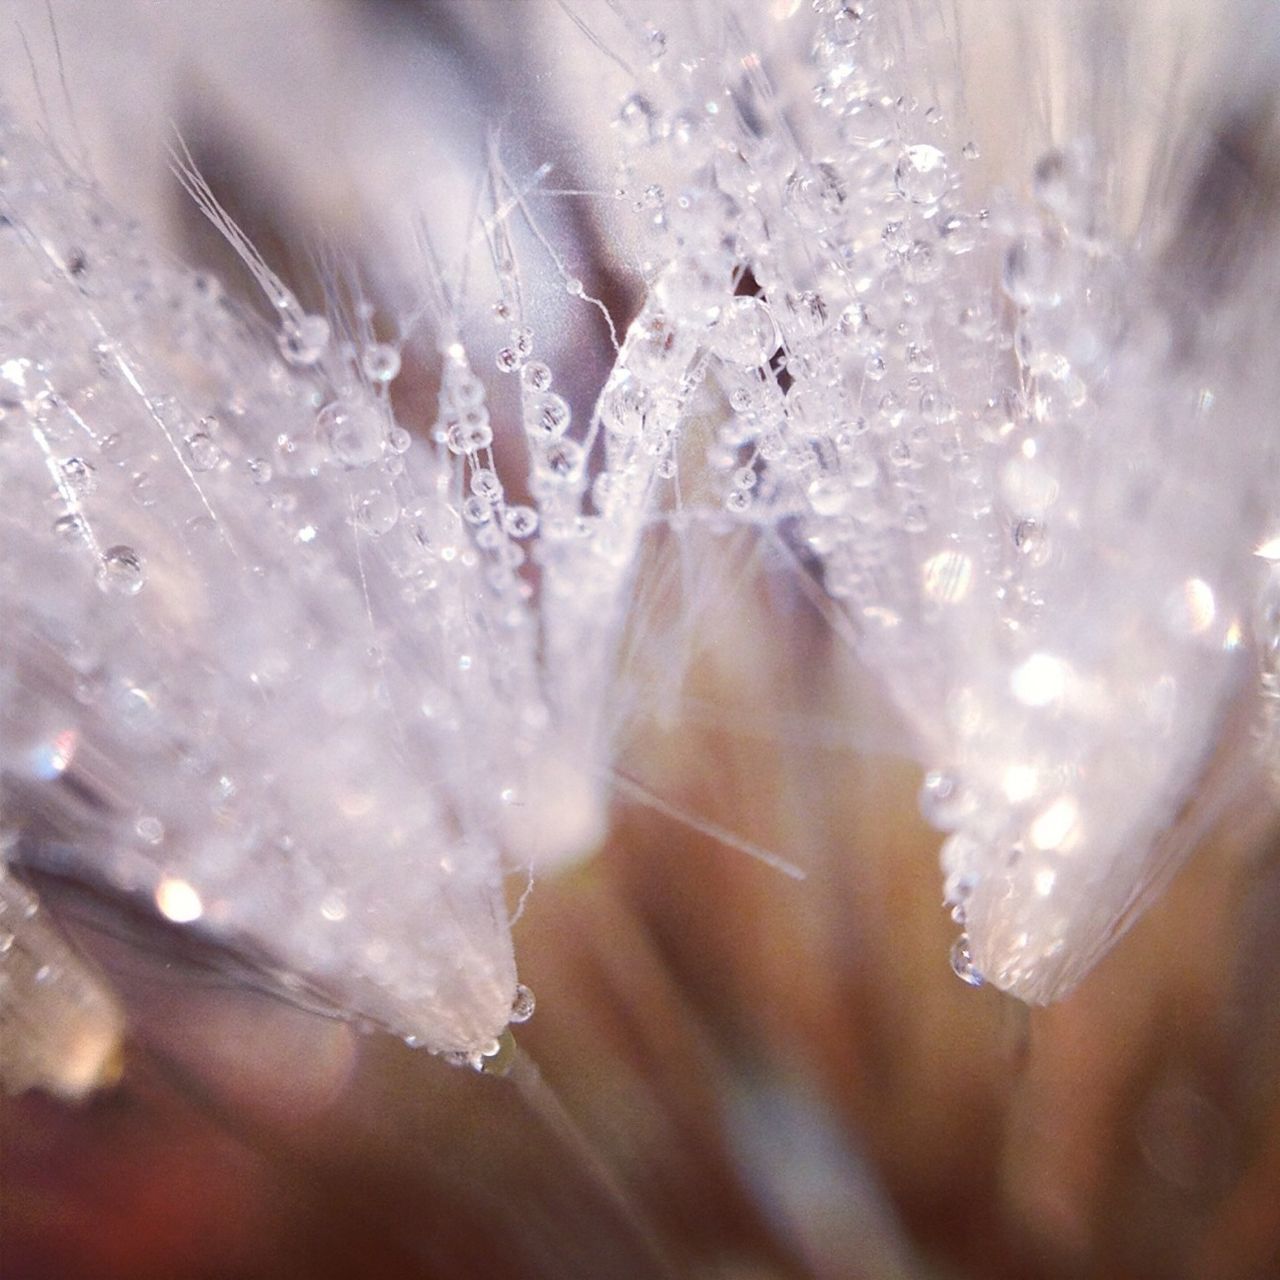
[380, 362]
[352, 432]
[523, 1004]
[962, 962]
[377, 512]
[520, 521]
[636, 122]
[201, 452]
[303, 341]
[828, 496]
[78, 476]
[945, 802]
[476, 510]
[744, 334]
[536, 376]
[921, 174]
[71, 529]
[548, 416]
[121, 572]
[507, 360]
[150, 829]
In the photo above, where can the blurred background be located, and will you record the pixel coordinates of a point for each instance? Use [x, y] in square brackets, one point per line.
[729, 1073]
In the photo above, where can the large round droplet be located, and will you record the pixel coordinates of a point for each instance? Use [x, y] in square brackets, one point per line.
[121, 572]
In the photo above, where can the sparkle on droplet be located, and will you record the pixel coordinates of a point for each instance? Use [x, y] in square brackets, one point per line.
[948, 577]
[1056, 827]
[1039, 681]
[962, 962]
[178, 901]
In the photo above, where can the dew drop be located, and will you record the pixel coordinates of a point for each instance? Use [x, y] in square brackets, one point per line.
[523, 1004]
[303, 341]
[380, 362]
[121, 571]
[921, 174]
[962, 962]
[377, 512]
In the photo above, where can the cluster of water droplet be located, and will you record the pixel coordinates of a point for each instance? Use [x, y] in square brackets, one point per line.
[268, 661]
[965, 415]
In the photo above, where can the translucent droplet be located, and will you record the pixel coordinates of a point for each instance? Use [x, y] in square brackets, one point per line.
[380, 362]
[962, 962]
[564, 459]
[921, 174]
[507, 360]
[476, 511]
[945, 802]
[260, 470]
[804, 315]
[303, 342]
[636, 121]
[828, 496]
[523, 1004]
[486, 483]
[352, 432]
[150, 829]
[201, 452]
[548, 416]
[78, 476]
[1032, 541]
[536, 376]
[1035, 272]
[744, 334]
[121, 572]
[377, 512]
[71, 529]
[520, 521]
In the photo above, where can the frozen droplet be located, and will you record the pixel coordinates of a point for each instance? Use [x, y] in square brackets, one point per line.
[121, 571]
